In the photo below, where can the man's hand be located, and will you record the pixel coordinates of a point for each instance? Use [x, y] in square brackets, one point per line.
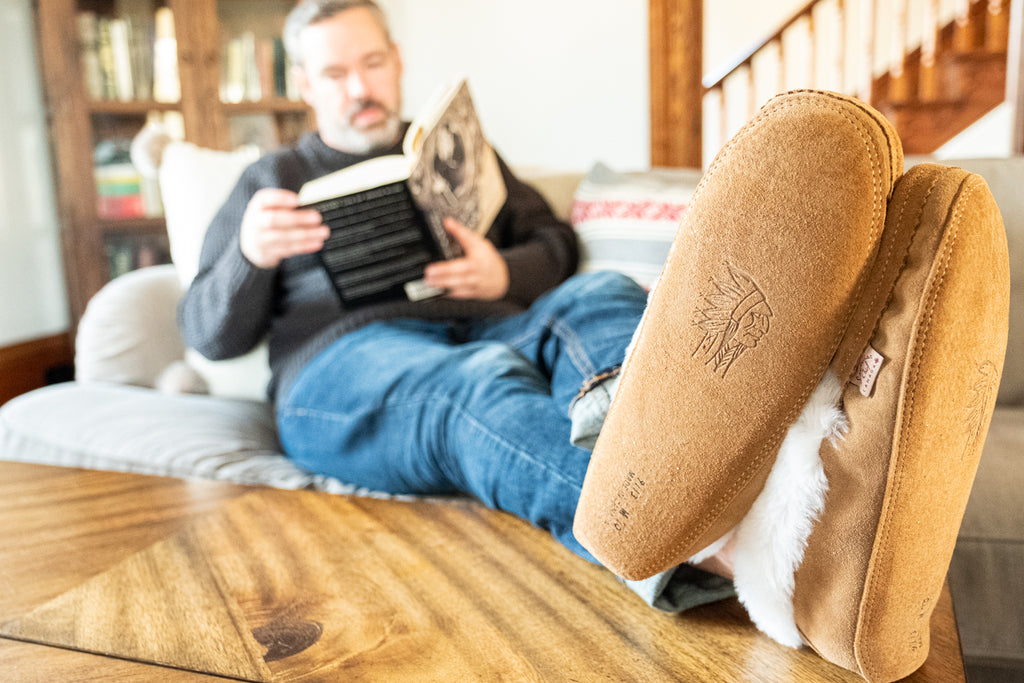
[480, 274]
[272, 230]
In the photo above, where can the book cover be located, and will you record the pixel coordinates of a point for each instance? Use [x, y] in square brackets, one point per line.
[387, 214]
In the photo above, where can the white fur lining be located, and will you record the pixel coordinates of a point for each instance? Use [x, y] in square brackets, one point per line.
[772, 537]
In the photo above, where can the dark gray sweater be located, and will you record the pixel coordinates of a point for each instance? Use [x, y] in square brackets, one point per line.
[232, 304]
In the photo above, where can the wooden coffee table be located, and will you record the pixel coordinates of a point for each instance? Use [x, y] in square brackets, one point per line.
[119, 576]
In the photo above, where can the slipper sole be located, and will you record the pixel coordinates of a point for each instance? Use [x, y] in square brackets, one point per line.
[759, 288]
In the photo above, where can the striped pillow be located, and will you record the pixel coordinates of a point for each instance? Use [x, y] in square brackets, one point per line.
[626, 221]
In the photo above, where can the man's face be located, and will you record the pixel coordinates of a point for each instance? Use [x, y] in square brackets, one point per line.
[351, 77]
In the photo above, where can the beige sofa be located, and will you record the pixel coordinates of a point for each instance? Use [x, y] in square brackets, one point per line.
[112, 417]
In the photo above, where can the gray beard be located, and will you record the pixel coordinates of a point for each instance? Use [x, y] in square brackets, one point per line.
[353, 141]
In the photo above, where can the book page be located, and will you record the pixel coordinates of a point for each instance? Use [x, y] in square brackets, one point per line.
[356, 178]
[378, 247]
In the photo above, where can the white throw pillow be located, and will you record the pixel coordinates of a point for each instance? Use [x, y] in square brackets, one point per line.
[194, 182]
[626, 221]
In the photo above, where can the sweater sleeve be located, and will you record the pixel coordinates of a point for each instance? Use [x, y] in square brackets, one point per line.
[540, 250]
[227, 309]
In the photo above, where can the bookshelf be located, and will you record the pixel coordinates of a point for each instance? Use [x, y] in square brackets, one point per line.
[111, 66]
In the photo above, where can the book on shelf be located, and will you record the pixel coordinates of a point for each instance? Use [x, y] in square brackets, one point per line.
[120, 51]
[122, 56]
[127, 254]
[255, 68]
[122, 192]
[141, 30]
[253, 130]
[284, 84]
[166, 81]
[89, 49]
[387, 214]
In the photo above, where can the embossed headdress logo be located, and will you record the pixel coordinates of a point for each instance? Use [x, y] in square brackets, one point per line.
[734, 317]
[979, 404]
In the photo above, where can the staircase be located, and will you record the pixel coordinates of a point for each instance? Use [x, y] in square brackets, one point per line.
[931, 91]
[941, 88]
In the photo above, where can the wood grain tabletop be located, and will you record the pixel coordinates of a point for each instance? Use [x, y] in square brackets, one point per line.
[107, 576]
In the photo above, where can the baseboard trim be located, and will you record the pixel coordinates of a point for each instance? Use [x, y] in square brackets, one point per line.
[23, 367]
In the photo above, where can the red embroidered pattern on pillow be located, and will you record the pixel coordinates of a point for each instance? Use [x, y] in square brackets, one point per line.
[612, 209]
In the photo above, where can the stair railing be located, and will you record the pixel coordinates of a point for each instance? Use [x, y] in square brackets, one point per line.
[843, 56]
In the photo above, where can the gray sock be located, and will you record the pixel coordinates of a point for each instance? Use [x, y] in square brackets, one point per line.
[681, 588]
[587, 412]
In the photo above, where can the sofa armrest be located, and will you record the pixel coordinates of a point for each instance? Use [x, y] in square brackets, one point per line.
[129, 333]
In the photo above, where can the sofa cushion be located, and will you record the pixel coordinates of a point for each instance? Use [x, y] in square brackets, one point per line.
[556, 187]
[984, 576]
[131, 429]
[626, 221]
[194, 182]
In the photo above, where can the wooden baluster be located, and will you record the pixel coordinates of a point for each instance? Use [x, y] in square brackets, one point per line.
[963, 33]
[781, 82]
[899, 79]
[812, 63]
[997, 27]
[1015, 76]
[839, 48]
[867, 32]
[723, 117]
[928, 86]
[751, 90]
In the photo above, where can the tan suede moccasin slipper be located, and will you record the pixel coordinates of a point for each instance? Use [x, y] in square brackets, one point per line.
[918, 410]
[763, 279]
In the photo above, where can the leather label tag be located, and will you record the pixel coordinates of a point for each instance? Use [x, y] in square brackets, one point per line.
[867, 371]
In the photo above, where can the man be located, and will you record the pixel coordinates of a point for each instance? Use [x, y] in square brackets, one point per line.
[471, 392]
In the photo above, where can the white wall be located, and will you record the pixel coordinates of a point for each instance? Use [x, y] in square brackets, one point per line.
[560, 83]
[732, 26]
[557, 83]
[991, 136]
[32, 299]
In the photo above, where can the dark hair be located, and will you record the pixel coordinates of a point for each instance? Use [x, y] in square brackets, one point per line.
[309, 12]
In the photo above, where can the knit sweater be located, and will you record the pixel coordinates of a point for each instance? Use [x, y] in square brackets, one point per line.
[232, 304]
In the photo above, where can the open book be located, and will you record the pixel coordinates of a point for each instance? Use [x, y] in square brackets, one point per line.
[387, 214]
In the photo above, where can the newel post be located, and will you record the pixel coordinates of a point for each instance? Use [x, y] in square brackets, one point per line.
[1015, 75]
[676, 68]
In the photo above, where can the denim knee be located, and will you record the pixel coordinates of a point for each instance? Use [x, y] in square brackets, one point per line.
[603, 284]
[479, 366]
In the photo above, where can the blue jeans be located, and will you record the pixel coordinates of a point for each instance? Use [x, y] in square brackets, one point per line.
[411, 406]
